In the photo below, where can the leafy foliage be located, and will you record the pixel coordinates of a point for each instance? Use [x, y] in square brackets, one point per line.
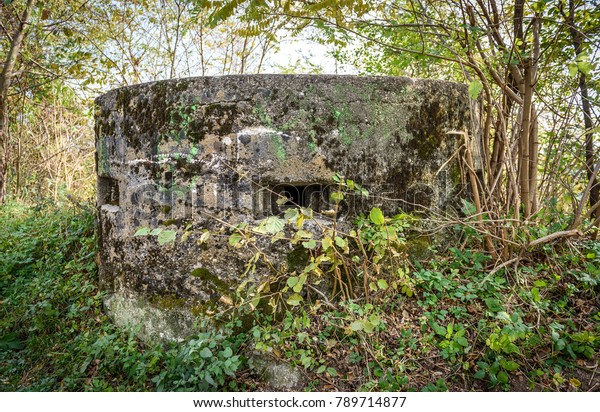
[369, 255]
[485, 323]
[461, 319]
[54, 334]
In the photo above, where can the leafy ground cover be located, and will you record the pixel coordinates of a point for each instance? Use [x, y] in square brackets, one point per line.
[463, 329]
[54, 334]
[449, 321]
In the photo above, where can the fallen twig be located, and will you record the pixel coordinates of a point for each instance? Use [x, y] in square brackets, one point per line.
[554, 236]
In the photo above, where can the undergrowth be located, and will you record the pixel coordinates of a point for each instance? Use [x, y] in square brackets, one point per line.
[451, 321]
[533, 328]
[54, 335]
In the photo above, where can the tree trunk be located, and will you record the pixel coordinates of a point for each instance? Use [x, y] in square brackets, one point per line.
[525, 144]
[589, 144]
[588, 124]
[5, 82]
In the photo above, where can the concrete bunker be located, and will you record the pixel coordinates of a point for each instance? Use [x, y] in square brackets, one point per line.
[191, 155]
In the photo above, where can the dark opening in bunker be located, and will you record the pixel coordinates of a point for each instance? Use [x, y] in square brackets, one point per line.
[296, 196]
[108, 191]
[286, 196]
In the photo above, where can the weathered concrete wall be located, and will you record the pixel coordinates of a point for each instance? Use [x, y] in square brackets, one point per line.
[199, 152]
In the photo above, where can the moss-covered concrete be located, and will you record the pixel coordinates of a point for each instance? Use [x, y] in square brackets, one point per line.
[194, 154]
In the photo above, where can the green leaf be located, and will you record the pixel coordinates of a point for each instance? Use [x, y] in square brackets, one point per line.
[438, 329]
[582, 57]
[303, 234]
[206, 353]
[540, 283]
[166, 236]
[584, 67]
[369, 327]
[382, 283]
[204, 237]
[311, 244]
[493, 304]
[573, 69]
[307, 212]
[208, 378]
[375, 319]
[256, 300]
[300, 284]
[376, 216]
[156, 232]
[227, 352]
[326, 243]
[11, 342]
[502, 377]
[185, 236]
[290, 214]
[480, 374]
[292, 281]
[539, 6]
[535, 294]
[340, 242]
[468, 208]
[143, 231]
[357, 325]
[271, 225]
[235, 239]
[294, 300]
[309, 268]
[510, 365]
[475, 88]
[321, 369]
[511, 348]
[337, 196]
[462, 341]
[332, 372]
[503, 316]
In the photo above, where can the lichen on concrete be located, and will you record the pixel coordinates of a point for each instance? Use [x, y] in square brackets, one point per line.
[278, 375]
[153, 323]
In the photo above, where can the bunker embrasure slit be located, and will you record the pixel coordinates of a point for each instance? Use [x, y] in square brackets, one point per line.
[284, 196]
[108, 191]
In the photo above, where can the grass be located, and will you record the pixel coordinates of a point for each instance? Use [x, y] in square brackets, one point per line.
[535, 326]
